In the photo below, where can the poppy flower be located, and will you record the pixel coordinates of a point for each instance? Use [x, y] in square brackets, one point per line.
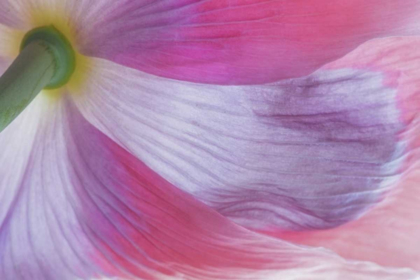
[209, 139]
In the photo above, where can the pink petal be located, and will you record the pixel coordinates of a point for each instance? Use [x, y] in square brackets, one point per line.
[389, 234]
[219, 41]
[242, 41]
[76, 205]
[314, 152]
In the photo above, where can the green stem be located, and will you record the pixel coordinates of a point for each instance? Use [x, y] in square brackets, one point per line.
[31, 71]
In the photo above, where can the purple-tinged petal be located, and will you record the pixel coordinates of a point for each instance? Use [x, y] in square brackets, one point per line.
[389, 234]
[308, 153]
[39, 227]
[242, 41]
[76, 205]
[6, 14]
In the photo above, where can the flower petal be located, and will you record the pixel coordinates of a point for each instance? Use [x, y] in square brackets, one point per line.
[242, 41]
[389, 234]
[76, 205]
[7, 44]
[3, 65]
[39, 227]
[218, 41]
[6, 17]
[314, 152]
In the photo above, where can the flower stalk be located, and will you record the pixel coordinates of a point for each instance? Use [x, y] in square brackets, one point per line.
[47, 60]
[29, 73]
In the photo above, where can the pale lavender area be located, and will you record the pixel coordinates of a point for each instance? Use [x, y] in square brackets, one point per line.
[314, 152]
[77, 206]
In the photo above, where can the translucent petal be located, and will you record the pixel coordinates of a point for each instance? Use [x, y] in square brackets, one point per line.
[389, 234]
[76, 205]
[243, 41]
[307, 153]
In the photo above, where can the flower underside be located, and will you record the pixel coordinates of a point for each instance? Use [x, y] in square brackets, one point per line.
[171, 137]
[59, 48]
[46, 61]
